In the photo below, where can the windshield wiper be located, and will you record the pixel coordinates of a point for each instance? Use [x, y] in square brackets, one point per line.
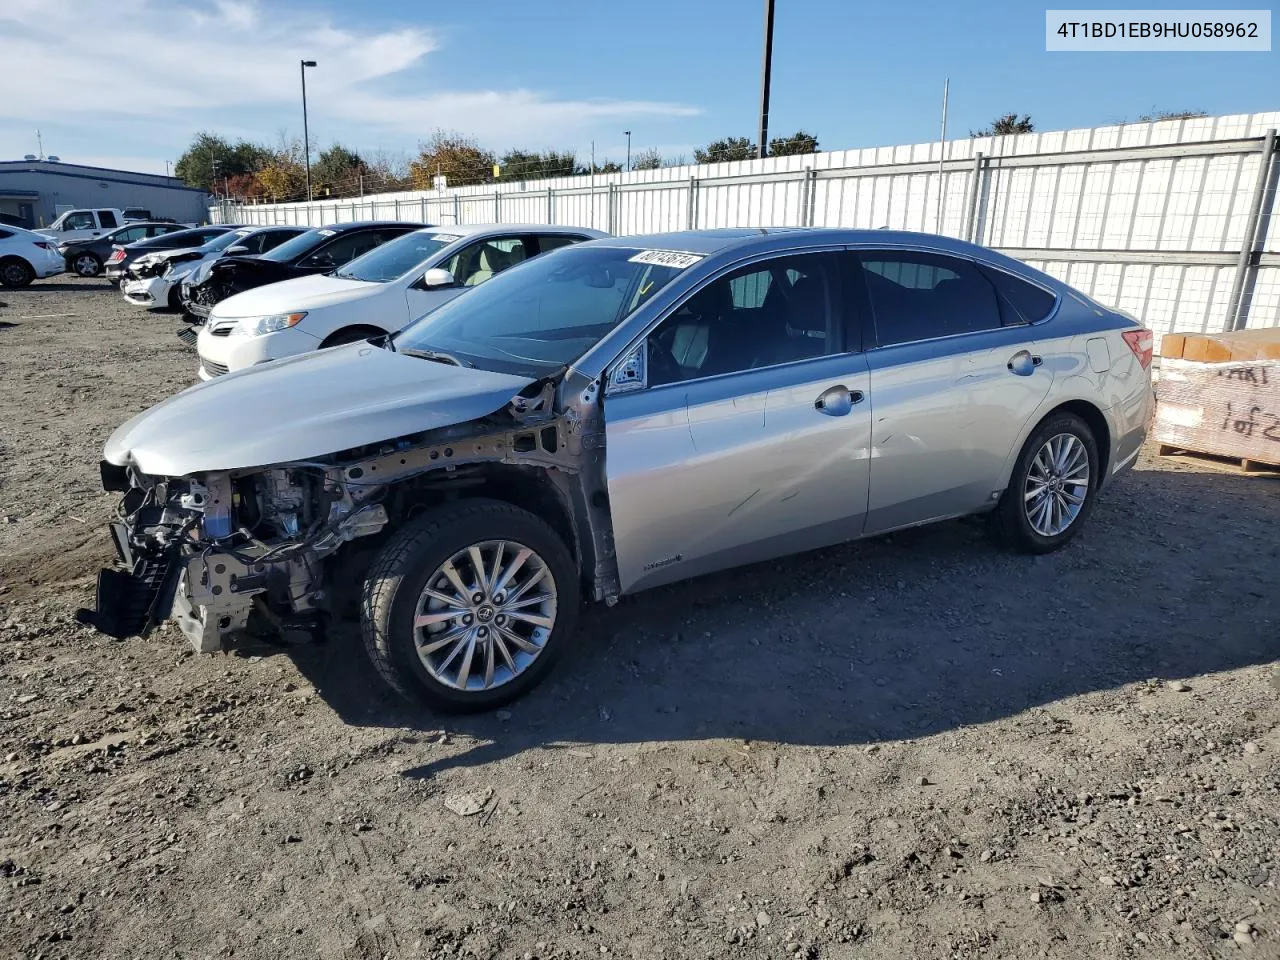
[435, 355]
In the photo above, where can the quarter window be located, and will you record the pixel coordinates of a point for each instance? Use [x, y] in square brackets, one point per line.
[1021, 302]
[922, 296]
[758, 316]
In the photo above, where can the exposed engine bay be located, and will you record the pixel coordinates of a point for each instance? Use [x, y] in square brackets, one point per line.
[213, 549]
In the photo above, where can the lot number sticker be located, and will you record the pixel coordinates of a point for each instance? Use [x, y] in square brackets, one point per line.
[666, 258]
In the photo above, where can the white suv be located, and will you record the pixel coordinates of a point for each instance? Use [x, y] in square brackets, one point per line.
[376, 293]
[26, 256]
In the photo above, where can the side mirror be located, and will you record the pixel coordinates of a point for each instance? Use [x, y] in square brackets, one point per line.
[437, 278]
[237, 250]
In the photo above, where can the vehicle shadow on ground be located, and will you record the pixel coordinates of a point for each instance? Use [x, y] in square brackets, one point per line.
[896, 637]
[82, 286]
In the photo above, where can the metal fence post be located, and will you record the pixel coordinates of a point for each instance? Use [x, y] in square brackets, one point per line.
[613, 192]
[810, 196]
[457, 209]
[969, 230]
[1246, 266]
[551, 206]
[397, 208]
[497, 206]
[691, 214]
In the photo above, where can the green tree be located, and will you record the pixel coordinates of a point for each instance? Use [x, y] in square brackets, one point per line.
[1010, 123]
[649, 159]
[609, 166]
[337, 172]
[519, 164]
[799, 142]
[209, 155]
[730, 148]
[460, 158]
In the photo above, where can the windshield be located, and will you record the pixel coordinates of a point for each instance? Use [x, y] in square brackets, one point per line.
[298, 246]
[228, 239]
[543, 313]
[396, 257]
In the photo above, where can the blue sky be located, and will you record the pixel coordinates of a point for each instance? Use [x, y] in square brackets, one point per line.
[559, 74]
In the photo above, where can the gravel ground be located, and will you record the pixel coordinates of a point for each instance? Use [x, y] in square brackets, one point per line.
[916, 746]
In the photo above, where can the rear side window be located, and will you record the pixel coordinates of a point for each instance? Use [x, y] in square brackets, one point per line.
[923, 296]
[107, 219]
[554, 241]
[1020, 301]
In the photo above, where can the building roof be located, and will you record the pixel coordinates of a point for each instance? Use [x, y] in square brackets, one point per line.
[84, 171]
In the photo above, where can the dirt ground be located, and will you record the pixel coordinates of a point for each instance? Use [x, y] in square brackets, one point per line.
[916, 746]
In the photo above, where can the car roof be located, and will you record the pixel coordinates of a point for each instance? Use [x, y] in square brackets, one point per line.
[366, 224]
[24, 233]
[474, 229]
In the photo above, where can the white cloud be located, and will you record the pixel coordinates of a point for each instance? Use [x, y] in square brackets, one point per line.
[191, 66]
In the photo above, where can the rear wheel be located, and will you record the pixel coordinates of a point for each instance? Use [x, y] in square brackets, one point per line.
[86, 265]
[15, 272]
[469, 606]
[1053, 486]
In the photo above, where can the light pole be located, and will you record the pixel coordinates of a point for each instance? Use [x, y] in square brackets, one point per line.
[306, 138]
[765, 69]
[628, 133]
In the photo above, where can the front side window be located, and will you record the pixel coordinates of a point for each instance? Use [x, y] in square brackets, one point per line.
[474, 264]
[129, 235]
[778, 311]
[923, 296]
[107, 219]
[545, 315]
[397, 257]
[79, 221]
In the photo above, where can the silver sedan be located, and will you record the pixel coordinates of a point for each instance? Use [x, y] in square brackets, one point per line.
[613, 416]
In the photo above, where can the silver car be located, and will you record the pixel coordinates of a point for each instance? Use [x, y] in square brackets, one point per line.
[612, 416]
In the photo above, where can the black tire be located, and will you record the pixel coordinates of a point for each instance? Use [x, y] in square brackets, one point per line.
[175, 299]
[350, 335]
[15, 272]
[1010, 519]
[416, 553]
[86, 264]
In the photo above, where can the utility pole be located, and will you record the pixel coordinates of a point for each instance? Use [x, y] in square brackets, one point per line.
[306, 137]
[766, 69]
[942, 149]
[628, 133]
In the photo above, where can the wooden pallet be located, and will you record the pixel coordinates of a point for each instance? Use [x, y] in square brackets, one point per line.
[1236, 465]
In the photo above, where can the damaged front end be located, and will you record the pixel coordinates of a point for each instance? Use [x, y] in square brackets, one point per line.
[209, 550]
[229, 551]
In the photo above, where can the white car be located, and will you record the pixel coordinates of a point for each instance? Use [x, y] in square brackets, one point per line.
[26, 256]
[376, 293]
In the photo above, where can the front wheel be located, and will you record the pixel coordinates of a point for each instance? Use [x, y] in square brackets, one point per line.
[469, 606]
[1053, 486]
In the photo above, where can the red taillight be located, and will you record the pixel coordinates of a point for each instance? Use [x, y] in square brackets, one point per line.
[1142, 343]
[116, 256]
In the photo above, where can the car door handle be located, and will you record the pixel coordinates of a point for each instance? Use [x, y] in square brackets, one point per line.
[837, 401]
[1023, 363]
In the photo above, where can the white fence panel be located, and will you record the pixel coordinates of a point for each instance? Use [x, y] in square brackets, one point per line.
[1149, 217]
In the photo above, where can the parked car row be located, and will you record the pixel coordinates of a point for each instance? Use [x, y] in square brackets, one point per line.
[545, 425]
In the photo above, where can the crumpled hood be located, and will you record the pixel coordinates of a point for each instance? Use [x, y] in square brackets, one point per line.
[305, 407]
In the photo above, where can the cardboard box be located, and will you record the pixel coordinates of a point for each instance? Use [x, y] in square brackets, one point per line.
[1229, 408]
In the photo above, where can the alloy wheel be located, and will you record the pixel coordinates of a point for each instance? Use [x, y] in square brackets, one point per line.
[485, 615]
[1057, 485]
[86, 266]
